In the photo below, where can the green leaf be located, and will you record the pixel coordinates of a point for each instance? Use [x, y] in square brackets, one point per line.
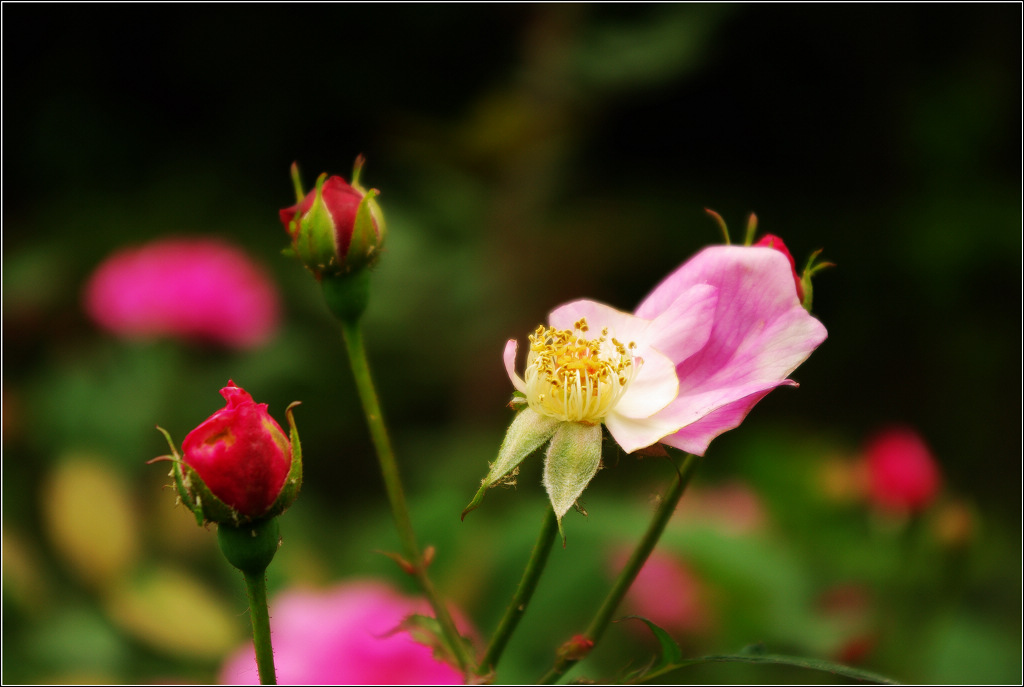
[670, 651]
[776, 659]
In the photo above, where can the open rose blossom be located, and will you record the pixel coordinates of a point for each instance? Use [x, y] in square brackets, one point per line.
[345, 635]
[191, 288]
[699, 352]
[238, 465]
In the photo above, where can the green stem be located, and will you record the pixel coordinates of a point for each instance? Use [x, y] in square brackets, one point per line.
[686, 464]
[527, 585]
[393, 484]
[256, 590]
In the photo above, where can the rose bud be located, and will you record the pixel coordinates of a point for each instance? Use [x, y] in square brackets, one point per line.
[903, 477]
[238, 466]
[772, 241]
[337, 227]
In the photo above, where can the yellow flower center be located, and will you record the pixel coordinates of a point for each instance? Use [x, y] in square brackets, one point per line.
[575, 379]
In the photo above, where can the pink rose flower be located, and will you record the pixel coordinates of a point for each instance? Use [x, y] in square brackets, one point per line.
[344, 635]
[192, 288]
[667, 593]
[700, 351]
[902, 474]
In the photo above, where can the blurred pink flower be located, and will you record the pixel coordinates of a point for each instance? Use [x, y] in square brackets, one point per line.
[902, 474]
[193, 288]
[733, 507]
[667, 593]
[345, 635]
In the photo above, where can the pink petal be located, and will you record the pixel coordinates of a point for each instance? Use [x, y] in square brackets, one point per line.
[636, 433]
[684, 326]
[760, 334]
[653, 387]
[695, 437]
[622, 325]
[511, 346]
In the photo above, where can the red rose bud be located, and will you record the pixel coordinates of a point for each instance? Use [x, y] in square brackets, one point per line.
[575, 649]
[772, 241]
[337, 228]
[239, 466]
[903, 476]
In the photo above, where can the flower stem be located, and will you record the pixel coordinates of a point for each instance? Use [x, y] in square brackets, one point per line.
[527, 585]
[353, 336]
[686, 465]
[256, 590]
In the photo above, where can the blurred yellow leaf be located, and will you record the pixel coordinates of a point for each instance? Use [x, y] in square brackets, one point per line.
[173, 612]
[90, 518]
[23, 577]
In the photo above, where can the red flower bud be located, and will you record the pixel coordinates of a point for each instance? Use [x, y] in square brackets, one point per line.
[239, 465]
[575, 649]
[902, 474]
[337, 227]
[772, 241]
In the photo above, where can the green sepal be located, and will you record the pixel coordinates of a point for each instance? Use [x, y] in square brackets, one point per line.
[357, 171]
[250, 547]
[293, 482]
[315, 242]
[721, 224]
[300, 195]
[572, 460]
[528, 432]
[748, 239]
[810, 269]
[180, 483]
[203, 500]
[367, 233]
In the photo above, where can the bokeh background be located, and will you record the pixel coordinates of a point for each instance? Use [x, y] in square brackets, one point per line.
[526, 155]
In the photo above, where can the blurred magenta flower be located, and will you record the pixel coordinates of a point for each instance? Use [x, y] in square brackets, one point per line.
[345, 635]
[700, 351]
[733, 508]
[668, 593]
[902, 474]
[192, 288]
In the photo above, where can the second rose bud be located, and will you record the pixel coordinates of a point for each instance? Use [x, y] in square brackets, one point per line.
[337, 228]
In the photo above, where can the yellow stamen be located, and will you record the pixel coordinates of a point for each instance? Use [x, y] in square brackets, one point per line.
[575, 379]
